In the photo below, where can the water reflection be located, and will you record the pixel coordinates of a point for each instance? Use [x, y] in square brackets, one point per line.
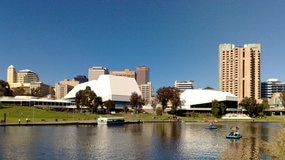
[136, 141]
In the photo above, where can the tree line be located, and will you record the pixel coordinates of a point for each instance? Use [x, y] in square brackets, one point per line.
[166, 96]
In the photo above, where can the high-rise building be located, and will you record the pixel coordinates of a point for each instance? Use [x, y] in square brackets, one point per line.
[146, 90]
[95, 72]
[126, 73]
[11, 74]
[27, 76]
[270, 87]
[183, 85]
[142, 75]
[239, 70]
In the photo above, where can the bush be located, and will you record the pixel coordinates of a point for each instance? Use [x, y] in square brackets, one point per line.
[159, 111]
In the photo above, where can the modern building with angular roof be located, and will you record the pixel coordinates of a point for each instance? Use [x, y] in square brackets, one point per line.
[116, 88]
[201, 100]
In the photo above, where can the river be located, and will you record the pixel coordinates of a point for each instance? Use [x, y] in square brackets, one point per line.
[147, 141]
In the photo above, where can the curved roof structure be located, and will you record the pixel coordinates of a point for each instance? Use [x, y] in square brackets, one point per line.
[109, 87]
[196, 96]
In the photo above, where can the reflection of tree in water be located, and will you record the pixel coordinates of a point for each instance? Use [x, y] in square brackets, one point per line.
[249, 147]
[276, 148]
[168, 131]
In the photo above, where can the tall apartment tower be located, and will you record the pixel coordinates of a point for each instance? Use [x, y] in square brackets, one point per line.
[95, 72]
[239, 70]
[142, 75]
[11, 74]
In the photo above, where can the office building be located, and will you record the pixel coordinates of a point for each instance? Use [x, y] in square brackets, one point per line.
[11, 74]
[142, 75]
[146, 90]
[63, 87]
[183, 85]
[22, 78]
[95, 72]
[27, 76]
[239, 70]
[125, 73]
[270, 87]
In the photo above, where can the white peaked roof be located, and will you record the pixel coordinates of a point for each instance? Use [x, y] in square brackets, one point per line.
[197, 96]
[115, 88]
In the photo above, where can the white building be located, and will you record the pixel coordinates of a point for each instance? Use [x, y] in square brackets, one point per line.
[116, 88]
[201, 100]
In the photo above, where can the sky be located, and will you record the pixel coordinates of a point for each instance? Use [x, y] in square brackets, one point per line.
[176, 39]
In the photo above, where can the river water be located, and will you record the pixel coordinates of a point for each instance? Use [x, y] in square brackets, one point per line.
[147, 141]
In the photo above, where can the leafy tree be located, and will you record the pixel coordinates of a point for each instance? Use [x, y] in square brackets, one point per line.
[5, 89]
[175, 101]
[79, 98]
[36, 92]
[159, 111]
[88, 98]
[282, 97]
[166, 94]
[136, 101]
[218, 109]
[19, 91]
[250, 105]
[110, 105]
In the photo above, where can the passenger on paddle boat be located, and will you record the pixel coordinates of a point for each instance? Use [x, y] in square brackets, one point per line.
[211, 126]
[234, 134]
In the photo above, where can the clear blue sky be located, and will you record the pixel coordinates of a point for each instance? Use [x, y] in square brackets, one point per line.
[177, 39]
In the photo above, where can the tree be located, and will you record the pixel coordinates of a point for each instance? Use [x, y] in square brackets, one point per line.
[36, 92]
[175, 100]
[136, 101]
[88, 98]
[250, 105]
[166, 94]
[19, 91]
[218, 109]
[5, 89]
[282, 97]
[110, 105]
[262, 107]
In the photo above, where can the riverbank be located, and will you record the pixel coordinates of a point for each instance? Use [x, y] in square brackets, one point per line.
[89, 122]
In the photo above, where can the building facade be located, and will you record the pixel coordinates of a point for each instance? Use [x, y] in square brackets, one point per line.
[81, 78]
[95, 72]
[11, 74]
[125, 73]
[146, 90]
[239, 70]
[142, 75]
[63, 87]
[27, 76]
[270, 87]
[183, 85]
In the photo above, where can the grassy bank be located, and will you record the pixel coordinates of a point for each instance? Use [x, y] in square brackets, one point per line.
[14, 113]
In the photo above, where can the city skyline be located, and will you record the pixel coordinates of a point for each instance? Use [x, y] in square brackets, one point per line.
[177, 40]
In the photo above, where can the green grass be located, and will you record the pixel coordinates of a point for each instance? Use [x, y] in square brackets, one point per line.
[13, 113]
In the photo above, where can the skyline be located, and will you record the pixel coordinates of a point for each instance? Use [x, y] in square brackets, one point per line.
[177, 40]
